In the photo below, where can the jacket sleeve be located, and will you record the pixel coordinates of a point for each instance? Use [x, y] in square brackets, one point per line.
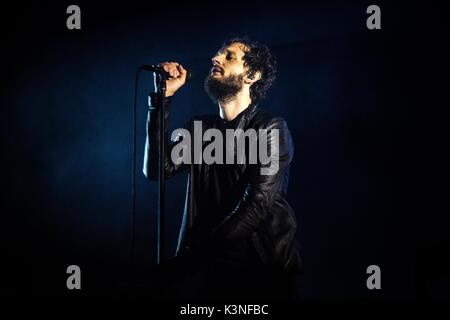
[265, 181]
[151, 153]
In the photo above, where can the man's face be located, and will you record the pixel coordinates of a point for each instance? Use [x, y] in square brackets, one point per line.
[229, 61]
[226, 77]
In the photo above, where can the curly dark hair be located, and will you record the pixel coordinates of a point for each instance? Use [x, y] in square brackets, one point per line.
[257, 57]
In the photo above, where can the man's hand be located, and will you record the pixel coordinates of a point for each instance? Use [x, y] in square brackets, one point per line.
[177, 76]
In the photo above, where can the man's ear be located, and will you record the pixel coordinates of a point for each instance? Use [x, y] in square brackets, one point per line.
[253, 77]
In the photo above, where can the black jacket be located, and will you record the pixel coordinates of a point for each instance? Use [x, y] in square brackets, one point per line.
[228, 205]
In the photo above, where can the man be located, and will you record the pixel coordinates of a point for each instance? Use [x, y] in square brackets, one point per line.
[237, 236]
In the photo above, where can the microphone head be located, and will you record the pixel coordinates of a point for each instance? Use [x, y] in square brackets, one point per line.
[150, 67]
[157, 69]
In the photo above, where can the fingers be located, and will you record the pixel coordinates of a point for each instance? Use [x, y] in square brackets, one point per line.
[172, 68]
[182, 71]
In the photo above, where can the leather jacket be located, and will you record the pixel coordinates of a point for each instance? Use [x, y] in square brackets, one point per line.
[229, 205]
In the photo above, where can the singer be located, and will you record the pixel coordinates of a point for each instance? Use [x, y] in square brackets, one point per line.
[236, 241]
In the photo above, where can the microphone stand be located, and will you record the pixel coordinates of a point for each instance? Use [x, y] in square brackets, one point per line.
[160, 85]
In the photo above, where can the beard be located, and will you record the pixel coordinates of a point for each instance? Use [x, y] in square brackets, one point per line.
[223, 89]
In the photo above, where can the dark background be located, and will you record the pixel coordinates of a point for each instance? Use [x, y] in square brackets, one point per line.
[349, 95]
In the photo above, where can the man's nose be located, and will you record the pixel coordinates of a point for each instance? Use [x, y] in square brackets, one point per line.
[215, 60]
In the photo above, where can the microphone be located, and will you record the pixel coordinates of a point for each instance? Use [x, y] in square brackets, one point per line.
[159, 70]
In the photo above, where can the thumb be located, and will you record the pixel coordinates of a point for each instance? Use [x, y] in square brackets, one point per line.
[183, 72]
